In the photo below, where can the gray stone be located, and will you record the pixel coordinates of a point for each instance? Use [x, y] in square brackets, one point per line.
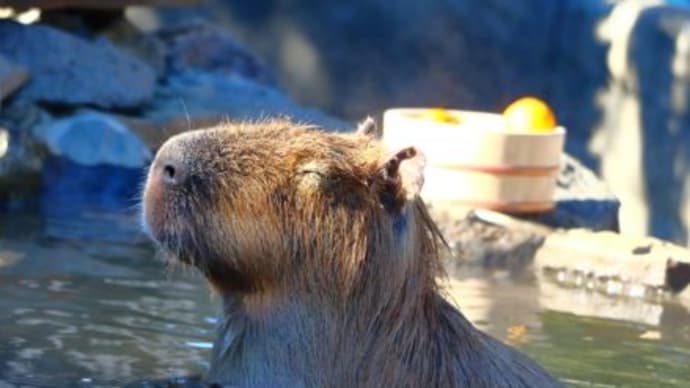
[67, 70]
[21, 157]
[582, 200]
[92, 138]
[11, 77]
[605, 262]
[206, 47]
[143, 45]
[194, 99]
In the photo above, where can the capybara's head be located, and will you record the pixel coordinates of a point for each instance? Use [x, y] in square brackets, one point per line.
[267, 205]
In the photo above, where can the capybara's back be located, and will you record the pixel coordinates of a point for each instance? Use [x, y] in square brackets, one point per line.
[325, 257]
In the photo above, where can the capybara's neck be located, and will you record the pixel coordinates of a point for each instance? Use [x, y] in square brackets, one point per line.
[299, 343]
[426, 343]
[385, 305]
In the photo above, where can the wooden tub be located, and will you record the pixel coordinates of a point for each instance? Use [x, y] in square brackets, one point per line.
[477, 163]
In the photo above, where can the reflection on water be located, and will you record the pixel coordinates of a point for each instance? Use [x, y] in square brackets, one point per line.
[85, 303]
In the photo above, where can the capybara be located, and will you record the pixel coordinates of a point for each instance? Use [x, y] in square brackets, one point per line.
[325, 257]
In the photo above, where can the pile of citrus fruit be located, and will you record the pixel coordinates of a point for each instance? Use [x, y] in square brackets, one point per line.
[526, 114]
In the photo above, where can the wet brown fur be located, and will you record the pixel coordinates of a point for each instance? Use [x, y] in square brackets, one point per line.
[327, 267]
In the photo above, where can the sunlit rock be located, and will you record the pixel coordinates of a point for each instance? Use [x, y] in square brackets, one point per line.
[67, 70]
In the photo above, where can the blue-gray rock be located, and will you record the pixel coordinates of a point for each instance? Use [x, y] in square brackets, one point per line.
[194, 99]
[210, 48]
[11, 77]
[92, 139]
[582, 200]
[21, 156]
[67, 70]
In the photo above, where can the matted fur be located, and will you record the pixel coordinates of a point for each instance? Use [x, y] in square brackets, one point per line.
[326, 265]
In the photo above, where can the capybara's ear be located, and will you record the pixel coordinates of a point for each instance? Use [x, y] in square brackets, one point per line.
[407, 167]
[369, 128]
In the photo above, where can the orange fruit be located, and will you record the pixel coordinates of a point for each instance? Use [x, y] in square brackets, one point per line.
[529, 114]
[441, 115]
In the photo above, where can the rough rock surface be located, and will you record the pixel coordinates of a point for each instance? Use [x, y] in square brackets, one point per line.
[22, 159]
[93, 159]
[582, 200]
[92, 138]
[143, 45]
[11, 77]
[67, 70]
[605, 261]
[194, 99]
[206, 47]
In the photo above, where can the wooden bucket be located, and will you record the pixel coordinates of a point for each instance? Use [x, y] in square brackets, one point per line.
[477, 163]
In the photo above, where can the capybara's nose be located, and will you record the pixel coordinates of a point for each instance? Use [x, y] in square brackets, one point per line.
[170, 171]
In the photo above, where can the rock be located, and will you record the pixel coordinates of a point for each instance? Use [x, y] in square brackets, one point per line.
[483, 244]
[644, 141]
[67, 70]
[11, 77]
[145, 46]
[47, 4]
[91, 138]
[72, 186]
[193, 99]
[582, 200]
[206, 47]
[615, 264]
[605, 262]
[21, 159]
[94, 160]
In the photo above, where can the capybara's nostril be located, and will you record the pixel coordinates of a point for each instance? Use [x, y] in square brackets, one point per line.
[172, 173]
[169, 173]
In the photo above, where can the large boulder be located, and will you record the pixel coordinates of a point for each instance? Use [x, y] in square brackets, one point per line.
[93, 159]
[92, 138]
[67, 70]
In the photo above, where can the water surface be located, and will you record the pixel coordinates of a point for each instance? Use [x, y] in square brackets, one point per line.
[86, 303]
